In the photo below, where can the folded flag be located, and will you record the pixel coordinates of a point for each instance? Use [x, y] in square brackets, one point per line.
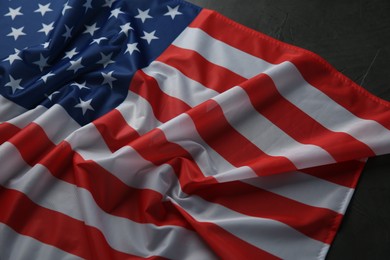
[158, 129]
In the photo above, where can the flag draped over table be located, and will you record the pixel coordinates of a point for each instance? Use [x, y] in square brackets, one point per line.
[155, 128]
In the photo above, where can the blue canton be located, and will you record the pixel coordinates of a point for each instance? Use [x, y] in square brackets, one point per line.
[82, 54]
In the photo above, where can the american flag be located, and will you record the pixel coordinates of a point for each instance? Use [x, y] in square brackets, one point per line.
[158, 129]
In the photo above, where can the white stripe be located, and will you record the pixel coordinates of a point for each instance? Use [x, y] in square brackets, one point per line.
[89, 144]
[10, 159]
[16, 246]
[259, 232]
[145, 239]
[182, 131]
[133, 170]
[174, 83]
[265, 135]
[326, 111]
[220, 53]
[9, 109]
[27, 117]
[292, 86]
[138, 113]
[57, 123]
[306, 189]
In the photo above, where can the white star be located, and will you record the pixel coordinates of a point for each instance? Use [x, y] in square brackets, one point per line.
[172, 12]
[109, 3]
[46, 28]
[66, 7]
[80, 85]
[116, 12]
[70, 54]
[125, 28]
[143, 15]
[108, 78]
[131, 47]
[14, 84]
[105, 60]
[16, 32]
[46, 44]
[75, 65]
[87, 5]
[149, 36]
[68, 33]
[13, 57]
[48, 75]
[91, 29]
[13, 12]
[42, 62]
[43, 9]
[98, 40]
[85, 105]
[52, 94]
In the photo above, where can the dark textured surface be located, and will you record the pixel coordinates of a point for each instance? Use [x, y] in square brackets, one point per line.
[354, 36]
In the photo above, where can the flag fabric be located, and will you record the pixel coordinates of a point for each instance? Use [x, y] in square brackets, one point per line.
[158, 129]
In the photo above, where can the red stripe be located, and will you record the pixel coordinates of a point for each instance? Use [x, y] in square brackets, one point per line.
[224, 244]
[345, 173]
[313, 68]
[7, 131]
[313, 222]
[213, 127]
[32, 143]
[345, 92]
[297, 124]
[108, 191]
[115, 130]
[251, 201]
[245, 39]
[53, 228]
[194, 66]
[164, 106]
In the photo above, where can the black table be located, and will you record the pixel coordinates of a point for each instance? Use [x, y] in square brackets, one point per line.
[354, 36]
